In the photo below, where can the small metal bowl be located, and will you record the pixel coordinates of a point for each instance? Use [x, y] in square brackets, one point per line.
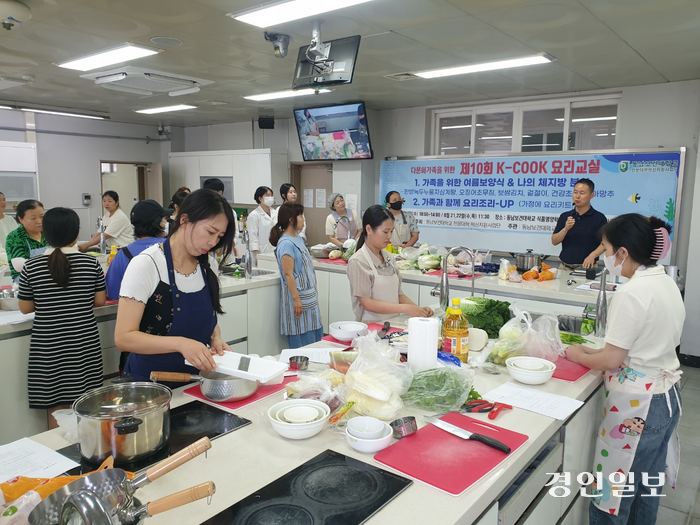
[298, 362]
[404, 426]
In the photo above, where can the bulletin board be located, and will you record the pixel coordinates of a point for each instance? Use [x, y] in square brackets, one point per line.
[512, 202]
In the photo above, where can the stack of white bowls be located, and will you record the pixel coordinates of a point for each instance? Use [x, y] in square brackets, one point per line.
[530, 370]
[299, 418]
[368, 434]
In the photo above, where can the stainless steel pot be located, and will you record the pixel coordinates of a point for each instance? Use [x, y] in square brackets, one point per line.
[215, 386]
[526, 261]
[112, 486]
[87, 506]
[129, 421]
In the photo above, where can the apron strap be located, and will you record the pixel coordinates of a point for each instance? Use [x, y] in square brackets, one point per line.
[371, 264]
[668, 375]
[403, 216]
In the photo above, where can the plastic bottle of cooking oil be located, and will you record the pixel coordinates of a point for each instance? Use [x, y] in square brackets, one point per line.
[455, 332]
[112, 255]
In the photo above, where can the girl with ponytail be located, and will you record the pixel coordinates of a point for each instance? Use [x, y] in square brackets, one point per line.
[169, 296]
[300, 315]
[643, 402]
[62, 287]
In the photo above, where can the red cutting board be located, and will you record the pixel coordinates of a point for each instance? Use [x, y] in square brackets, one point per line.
[447, 462]
[373, 327]
[333, 261]
[568, 370]
[262, 392]
[451, 275]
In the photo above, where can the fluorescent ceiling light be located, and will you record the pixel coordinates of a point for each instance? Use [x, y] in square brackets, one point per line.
[487, 66]
[62, 114]
[604, 134]
[589, 119]
[529, 145]
[114, 55]
[286, 94]
[501, 138]
[449, 147]
[165, 109]
[5, 107]
[463, 126]
[275, 13]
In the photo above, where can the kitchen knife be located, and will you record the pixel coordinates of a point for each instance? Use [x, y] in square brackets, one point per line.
[465, 434]
[384, 329]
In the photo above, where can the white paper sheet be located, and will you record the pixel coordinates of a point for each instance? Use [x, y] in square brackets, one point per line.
[25, 457]
[308, 198]
[550, 405]
[321, 198]
[315, 355]
[351, 201]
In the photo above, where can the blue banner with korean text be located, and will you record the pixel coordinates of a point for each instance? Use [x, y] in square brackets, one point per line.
[484, 201]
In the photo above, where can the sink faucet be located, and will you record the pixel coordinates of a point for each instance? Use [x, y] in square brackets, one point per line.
[600, 314]
[443, 289]
[248, 256]
[101, 229]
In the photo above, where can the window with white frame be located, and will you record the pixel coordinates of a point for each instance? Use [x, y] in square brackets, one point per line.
[533, 126]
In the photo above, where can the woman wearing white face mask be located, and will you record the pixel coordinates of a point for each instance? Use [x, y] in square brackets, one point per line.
[642, 405]
[261, 221]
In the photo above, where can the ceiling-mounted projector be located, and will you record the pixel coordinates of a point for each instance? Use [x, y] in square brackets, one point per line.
[13, 12]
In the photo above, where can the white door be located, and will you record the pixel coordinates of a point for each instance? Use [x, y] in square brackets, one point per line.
[125, 182]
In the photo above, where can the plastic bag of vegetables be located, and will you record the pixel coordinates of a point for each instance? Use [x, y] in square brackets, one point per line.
[440, 389]
[349, 246]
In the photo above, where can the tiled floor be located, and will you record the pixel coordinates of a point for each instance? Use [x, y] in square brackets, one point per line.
[681, 506]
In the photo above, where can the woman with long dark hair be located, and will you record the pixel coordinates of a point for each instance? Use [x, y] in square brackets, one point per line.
[375, 282]
[169, 296]
[62, 287]
[27, 241]
[300, 315]
[289, 193]
[638, 436]
[115, 222]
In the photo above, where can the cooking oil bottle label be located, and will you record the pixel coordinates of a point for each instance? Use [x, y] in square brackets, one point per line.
[455, 345]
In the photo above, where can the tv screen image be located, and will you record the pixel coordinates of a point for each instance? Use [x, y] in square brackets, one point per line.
[334, 132]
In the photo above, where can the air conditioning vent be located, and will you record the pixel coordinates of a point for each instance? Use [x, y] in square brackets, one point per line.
[142, 81]
[400, 77]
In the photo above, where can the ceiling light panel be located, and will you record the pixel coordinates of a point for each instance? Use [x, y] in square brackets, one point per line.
[165, 109]
[108, 57]
[276, 13]
[62, 114]
[488, 66]
[285, 94]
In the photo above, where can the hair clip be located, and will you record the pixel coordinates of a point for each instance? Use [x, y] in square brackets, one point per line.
[662, 245]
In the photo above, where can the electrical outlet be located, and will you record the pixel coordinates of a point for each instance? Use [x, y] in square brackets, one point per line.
[87, 199]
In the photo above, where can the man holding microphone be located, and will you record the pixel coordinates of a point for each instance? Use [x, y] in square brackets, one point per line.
[577, 230]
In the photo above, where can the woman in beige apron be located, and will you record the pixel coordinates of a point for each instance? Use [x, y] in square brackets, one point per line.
[375, 283]
[405, 229]
[637, 445]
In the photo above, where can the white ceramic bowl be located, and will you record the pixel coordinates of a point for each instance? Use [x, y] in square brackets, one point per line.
[530, 370]
[298, 430]
[299, 414]
[365, 427]
[320, 413]
[347, 330]
[370, 446]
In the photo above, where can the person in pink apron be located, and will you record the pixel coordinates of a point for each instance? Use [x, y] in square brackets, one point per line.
[341, 224]
[637, 444]
[375, 282]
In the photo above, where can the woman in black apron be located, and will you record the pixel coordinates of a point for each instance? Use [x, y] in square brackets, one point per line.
[172, 290]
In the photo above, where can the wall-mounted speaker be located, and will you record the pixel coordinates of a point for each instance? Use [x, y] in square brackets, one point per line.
[266, 122]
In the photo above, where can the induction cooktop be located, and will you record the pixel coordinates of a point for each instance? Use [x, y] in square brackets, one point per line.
[330, 489]
[188, 423]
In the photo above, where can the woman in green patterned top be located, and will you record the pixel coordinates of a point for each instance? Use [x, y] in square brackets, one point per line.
[27, 241]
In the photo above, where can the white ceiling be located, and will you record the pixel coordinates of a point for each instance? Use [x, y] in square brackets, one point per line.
[597, 43]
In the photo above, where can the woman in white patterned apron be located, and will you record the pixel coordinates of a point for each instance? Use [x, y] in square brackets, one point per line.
[375, 282]
[638, 441]
[300, 315]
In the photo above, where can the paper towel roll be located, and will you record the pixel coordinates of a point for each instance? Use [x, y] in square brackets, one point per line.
[422, 343]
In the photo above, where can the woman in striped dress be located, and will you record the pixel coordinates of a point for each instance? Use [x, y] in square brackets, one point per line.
[62, 286]
[300, 315]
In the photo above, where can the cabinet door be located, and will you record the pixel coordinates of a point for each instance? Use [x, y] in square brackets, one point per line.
[339, 298]
[264, 336]
[176, 172]
[244, 180]
[191, 171]
[234, 322]
[323, 287]
[411, 290]
[215, 166]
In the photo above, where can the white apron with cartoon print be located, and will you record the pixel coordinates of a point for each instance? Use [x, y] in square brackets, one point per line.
[627, 399]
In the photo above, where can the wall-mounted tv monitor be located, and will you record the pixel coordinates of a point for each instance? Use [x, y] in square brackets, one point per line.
[337, 68]
[334, 132]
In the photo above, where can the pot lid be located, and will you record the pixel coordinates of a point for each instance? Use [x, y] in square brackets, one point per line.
[122, 400]
[529, 253]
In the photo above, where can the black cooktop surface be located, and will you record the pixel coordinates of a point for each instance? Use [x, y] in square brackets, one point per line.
[188, 423]
[330, 489]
